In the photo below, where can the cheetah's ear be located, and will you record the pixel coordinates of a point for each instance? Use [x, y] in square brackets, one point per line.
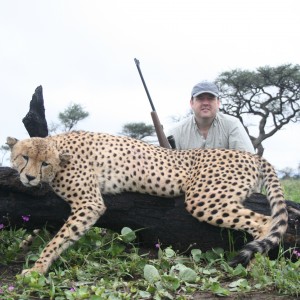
[64, 158]
[10, 141]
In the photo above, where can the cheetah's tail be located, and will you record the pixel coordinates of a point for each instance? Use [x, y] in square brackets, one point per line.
[279, 221]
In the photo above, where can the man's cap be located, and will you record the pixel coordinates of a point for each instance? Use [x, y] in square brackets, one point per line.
[205, 87]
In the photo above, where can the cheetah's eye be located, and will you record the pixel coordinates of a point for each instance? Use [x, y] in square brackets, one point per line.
[25, 157]
[44, 164]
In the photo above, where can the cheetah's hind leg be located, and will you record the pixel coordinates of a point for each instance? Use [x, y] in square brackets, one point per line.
[230, 214]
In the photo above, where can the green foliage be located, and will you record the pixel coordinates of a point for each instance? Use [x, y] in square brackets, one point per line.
[291, 189]
[72, 115]
[107, 265]
[138, 130]
[282, 274]
[9, 243]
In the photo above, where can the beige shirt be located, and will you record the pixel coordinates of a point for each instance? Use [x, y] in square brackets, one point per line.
[225, 132]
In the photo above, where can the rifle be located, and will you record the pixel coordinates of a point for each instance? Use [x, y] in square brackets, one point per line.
[162, 139]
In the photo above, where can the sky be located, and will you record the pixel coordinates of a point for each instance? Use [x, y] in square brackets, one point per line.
[82, 51]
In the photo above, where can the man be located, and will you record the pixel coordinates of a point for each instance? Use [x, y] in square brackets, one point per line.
[207, 127]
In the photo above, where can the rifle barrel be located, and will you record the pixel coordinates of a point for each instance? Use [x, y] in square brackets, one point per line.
[144, 83]
[163, 142]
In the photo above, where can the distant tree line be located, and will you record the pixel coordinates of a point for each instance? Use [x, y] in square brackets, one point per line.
[289, 173]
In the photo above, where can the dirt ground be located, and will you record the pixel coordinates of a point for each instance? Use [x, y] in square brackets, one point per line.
[8, 273]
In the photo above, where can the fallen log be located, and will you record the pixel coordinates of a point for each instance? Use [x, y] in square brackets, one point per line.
[162, 220]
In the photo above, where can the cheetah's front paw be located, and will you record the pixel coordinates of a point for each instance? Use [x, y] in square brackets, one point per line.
[39, 270]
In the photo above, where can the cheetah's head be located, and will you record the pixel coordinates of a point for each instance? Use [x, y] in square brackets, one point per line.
[36, 159]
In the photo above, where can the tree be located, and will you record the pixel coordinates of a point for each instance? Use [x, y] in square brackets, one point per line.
[179, 118]
[270, 94]
[138, 130]
[53, 127]
[72, 115]
[286, 173]
[4, 149]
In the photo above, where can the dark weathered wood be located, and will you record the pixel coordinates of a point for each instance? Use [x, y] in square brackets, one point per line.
[35, 120]
[164, 220]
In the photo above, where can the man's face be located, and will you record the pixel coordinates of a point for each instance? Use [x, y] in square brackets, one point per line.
[205, 105]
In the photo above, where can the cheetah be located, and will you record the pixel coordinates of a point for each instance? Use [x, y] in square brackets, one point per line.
[81, 166]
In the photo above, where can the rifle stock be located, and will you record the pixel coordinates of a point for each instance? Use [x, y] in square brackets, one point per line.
[162, 139]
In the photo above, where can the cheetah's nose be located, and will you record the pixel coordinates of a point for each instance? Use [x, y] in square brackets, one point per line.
[29, 177]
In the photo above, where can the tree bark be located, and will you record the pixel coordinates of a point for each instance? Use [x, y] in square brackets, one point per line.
[35, 120]
[161, 220]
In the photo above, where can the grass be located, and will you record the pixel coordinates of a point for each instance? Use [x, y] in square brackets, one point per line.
[108, 265]
[291, 189]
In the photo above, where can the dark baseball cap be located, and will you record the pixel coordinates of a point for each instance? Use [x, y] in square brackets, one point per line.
[205, 87]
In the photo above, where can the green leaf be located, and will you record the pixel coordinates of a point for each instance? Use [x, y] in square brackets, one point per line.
[176, 269]
[209, 271]
[160, 253]
[145, 295]
[218, 290]
[240, 271]
[184, 273]
[211, 256]
[196, 254]
[151, 274]
[187, 275]
[127, 235]
[239, 285]
[116, 249]
[219, 251]
[169, 252]
[82, 293]
[94, 297]
[170, 282]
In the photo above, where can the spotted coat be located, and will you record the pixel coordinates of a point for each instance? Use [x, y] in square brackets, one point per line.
[81, 166]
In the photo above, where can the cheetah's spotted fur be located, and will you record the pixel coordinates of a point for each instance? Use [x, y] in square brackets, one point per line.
[80, 166]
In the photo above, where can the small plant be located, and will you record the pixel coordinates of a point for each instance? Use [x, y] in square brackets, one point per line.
[108, 265]
[10, 239]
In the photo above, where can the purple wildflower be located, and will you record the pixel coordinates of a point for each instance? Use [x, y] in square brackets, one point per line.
[157, 245]
[26, 218]
[297, 253]
[11, 288]
[1, 226]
